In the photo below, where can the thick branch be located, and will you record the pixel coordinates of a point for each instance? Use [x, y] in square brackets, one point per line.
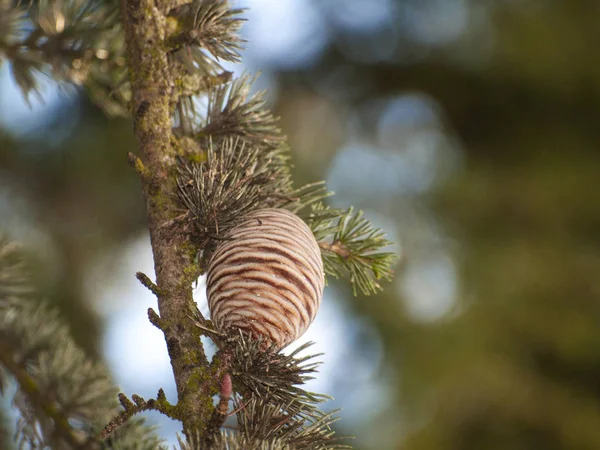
[144, 24]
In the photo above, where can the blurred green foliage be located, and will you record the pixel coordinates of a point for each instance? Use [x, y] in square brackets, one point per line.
[80, 195]
[516, 363]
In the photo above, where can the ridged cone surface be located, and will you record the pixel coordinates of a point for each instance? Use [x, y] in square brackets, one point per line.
[267, 277]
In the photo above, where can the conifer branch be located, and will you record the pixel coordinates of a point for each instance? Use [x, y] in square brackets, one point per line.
[351, 246]
[139, 405]
[201, 172]
[74, 41]
[301, 200]
[271, 422]
[207, 25]
[229, 184]
[233, 111]
[273, 375]
[28, 385]
[62, 397]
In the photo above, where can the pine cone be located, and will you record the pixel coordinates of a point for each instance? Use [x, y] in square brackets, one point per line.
[266, 278]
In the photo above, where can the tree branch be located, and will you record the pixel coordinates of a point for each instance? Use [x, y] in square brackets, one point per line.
[145, 24]
[37, 398]
[337, 247]
[160, 404]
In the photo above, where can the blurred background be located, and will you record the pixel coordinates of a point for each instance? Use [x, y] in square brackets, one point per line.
[468, 129]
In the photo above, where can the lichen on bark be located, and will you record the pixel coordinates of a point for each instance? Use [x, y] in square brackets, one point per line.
[145, 25]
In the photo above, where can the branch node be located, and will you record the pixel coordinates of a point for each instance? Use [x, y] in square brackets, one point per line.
[139, 401]
[156, 320]
[139, 166]
[148, 283]
[130, 410]
[125, 402]
[28, 384]
[206, 326]
[336, 247]
[162, 405]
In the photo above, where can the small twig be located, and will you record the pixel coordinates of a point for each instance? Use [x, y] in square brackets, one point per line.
[155, 319]
[148, 283]
[207, 327]
[113, 425]
[136, 406]
[336, 247]
[239, 408]
[139, 401]
[125, 402]
[139, 166]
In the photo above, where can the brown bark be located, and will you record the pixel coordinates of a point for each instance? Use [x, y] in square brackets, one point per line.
[144, 23]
